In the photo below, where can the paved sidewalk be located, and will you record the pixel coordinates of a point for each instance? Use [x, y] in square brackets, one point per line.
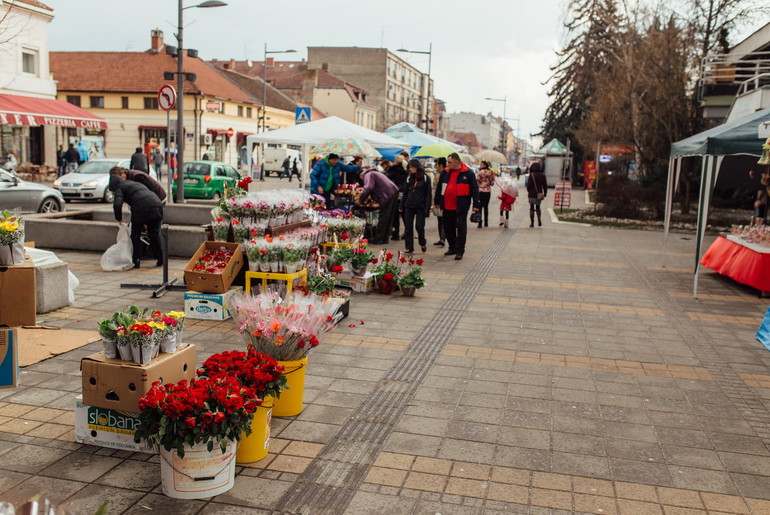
[553, 370]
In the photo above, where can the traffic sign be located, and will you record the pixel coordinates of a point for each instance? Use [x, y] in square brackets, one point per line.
[230, 132]
[301, 115]
[167, 97]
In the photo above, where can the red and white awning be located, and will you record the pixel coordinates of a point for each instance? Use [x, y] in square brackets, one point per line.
[31, 111]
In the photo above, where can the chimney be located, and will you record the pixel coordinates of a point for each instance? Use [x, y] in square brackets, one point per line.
[309, 82]
[325, 67]
[231, 64]
[156, 41]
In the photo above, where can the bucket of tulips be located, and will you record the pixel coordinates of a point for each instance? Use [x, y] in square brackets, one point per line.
[286, 330]
[262, 373]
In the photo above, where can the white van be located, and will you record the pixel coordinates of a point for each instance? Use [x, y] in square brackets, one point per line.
[274, 158]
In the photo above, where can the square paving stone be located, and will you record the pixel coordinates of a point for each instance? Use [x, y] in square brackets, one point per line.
[215, 508]
[640, 472]
[701, 479]
[690, 457]
[580, 444]
[580, 465]
[367, 503]
[750, 485]
[422, 426]
[136, 475]
[159, 503]
[417, 445]
[466, 450]
[90, 498]
[56, 490]
[522, 458]
[255, 492]
[81, 466]
[31, 458]
[9, 480]
[746, 463]
[309, 431]
[464, 430]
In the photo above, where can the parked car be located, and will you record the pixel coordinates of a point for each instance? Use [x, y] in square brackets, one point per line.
[90, 180]
[31, 197]
[207, 179]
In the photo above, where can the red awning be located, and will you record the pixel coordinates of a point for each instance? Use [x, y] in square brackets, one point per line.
[217, 132]
[19, 110]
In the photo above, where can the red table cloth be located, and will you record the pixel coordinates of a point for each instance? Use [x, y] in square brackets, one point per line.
[739, 260]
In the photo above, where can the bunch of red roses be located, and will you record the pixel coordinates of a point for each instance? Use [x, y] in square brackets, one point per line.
[253, 369]
[200, 411]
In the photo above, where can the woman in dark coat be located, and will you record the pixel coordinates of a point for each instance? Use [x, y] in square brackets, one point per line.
[416, 205]
[537, 189]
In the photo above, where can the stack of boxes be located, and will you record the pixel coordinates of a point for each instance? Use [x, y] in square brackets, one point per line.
[209, 294]
[17, 308]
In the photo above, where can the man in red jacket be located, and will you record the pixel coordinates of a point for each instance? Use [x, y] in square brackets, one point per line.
[456, 191]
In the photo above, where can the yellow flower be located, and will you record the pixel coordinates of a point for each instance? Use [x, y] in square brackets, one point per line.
[175, 314]
[157, 325]
[9, 226]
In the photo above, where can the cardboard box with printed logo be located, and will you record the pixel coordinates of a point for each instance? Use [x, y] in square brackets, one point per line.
[107, 428]
[208, 306]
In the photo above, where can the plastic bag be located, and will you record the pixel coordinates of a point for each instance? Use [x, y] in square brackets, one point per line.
[119, 256]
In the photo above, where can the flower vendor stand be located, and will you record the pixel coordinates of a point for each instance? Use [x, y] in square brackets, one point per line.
[269, 276]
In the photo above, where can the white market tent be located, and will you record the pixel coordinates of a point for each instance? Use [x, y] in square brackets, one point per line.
[743, 136]
[309, 134]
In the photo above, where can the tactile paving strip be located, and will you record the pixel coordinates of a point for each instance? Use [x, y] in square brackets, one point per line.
[330, 482]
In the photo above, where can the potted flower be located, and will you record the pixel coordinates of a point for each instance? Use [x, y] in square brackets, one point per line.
[140, 339]
[11, 238]
[341, 255]
[221, 228]
[186, 421]
[321, 283]
[108, 330]
[360, 260]
[411, 279]
[385, 271]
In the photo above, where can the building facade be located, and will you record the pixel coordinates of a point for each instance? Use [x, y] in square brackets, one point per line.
[214, 105]
[487, 128]
[399, 91]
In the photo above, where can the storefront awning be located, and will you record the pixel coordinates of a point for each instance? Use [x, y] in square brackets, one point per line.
[31, 111]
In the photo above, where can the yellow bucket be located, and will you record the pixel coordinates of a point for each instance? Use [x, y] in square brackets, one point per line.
[290, 402]
[255, 446]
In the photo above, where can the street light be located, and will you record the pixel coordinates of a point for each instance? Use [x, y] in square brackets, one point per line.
[504, 100]
[427, 100]
[264, 100]
[180, 77]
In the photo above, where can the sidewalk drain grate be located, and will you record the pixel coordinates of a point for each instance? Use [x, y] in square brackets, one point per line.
[332, 479]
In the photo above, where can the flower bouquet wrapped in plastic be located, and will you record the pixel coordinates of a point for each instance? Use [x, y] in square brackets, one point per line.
[284, 330]
[220, 228]
[11, 238]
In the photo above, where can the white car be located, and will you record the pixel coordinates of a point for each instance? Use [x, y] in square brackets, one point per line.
[91, 179]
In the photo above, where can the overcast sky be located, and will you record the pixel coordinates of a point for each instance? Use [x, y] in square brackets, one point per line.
[484, 48]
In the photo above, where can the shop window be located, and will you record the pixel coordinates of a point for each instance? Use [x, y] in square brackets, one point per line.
[74, 100]
[151, 102]
[97, 101]
[29, 61]
[124, 102]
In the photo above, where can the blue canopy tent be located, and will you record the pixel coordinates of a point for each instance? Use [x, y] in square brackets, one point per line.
[737, 137]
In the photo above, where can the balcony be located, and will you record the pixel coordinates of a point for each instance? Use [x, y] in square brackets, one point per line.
[724, 77]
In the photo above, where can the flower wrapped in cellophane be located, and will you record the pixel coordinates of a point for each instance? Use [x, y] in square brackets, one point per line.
[11, 238]
[284, 330]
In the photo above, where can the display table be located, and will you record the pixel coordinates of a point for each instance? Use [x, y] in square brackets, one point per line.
[266, 276]
[740, 260]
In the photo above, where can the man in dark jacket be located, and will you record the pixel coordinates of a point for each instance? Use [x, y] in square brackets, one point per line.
[142, 178]
[397, 173]
[383, 190]
[146, 210]
[456, 191]
[139, 161]
[325, 177]
[537, 189]
[72, 155]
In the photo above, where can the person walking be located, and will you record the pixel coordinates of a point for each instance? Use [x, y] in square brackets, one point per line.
[295, 171]
[157, 161]
[438, 211]
[415, 205]
[146, 211]
[61, 161]
[325, 177]
[486, 178]
[139, 161]
[518, 172]
[286, 168]
[537, 189]
[72, 155]
[140, 177]
[457, 191]
[397, 173]
[385, 193]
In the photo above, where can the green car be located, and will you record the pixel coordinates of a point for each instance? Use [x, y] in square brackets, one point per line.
[207, 179]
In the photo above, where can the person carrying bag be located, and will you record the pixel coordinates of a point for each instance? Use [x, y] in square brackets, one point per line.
[537, 187]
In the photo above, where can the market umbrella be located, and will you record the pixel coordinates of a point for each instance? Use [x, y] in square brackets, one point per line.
[435, 150]
[345, 147]
[493, 156]
[467, 158]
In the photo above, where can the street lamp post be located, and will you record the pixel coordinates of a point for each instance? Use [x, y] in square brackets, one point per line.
[504, 144]
[264, 100]
[426, 102]
[180, 77]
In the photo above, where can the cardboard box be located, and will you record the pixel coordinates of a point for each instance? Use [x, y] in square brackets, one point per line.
[214, 283]
[361, 284]
[118, 385]
[18, 300]
[108, 428]
[208, 306]
[9, 357]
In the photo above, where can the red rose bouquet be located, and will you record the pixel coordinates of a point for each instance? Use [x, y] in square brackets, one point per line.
[253, 369]
[201, 411]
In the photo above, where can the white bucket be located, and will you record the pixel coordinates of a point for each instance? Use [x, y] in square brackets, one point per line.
[199, 474]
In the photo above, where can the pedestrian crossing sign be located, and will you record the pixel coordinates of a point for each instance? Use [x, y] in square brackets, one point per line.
[301, 115]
